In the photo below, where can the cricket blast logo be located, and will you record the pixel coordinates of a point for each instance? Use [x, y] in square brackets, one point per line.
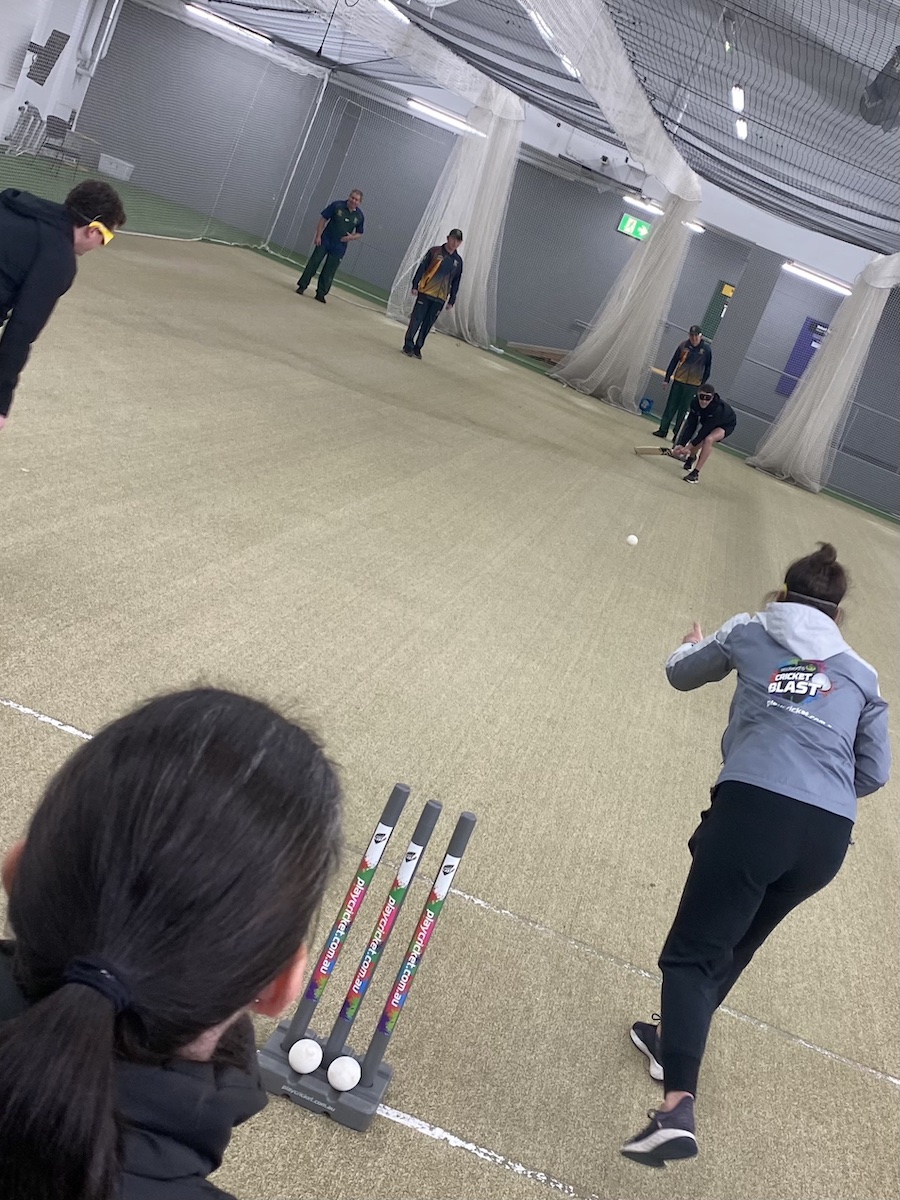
[800, 681]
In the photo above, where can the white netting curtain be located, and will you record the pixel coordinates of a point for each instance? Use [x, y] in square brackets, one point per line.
[472, 195]
[401, 39]
[613, 356]
[802, 443]
[611, 359]
[585, 32]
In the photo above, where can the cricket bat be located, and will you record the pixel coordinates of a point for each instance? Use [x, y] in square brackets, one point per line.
[651, 449]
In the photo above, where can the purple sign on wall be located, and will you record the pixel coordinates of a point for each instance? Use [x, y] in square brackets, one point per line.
[807, 343]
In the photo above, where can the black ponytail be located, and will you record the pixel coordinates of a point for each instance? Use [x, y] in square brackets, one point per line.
[182, 854]
[57, 1096]
[818, 580]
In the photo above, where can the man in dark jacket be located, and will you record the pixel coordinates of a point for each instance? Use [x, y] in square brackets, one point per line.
[39, 242]
[709, 420]
[434, 284]
[689, 367]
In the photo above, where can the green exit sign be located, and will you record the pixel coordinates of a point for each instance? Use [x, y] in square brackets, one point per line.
[634, 227]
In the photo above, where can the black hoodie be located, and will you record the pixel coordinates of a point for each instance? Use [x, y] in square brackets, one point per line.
[177, 1119]
[700, 422]
[37, 266]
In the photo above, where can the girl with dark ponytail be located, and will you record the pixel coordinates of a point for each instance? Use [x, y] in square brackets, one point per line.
[163, 892]
[807, 736]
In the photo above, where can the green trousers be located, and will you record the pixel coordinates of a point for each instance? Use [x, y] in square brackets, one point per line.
[680, 397]
[326, 278]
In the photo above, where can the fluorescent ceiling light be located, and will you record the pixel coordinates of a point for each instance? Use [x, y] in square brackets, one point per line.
[547, 34]
[737, 99]
[814, 277]
[741, 129]
[542, 27]
[695, 226]
[215, 19]
[394, 11]
[445, 118]
[647, 205]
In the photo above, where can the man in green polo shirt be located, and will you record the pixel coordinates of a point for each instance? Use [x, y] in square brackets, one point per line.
[341, 223]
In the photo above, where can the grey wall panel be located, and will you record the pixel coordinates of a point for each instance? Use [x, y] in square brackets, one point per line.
[867, 482]
[879, 385]
[792, 301]
[872, 436]
[872, 431]
[206, 124]
[750, 429]
[560, 256]
[711, 256]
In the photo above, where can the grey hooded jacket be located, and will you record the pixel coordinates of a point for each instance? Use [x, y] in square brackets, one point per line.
[807, 719]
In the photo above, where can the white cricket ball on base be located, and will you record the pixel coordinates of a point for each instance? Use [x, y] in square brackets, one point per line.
[304, 1056]
[631, 540]
[344, 1073]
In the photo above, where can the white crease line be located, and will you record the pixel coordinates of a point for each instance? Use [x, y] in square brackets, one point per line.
[537, 927]
[764, 1027]
[604, 956]
[60, 725]
[489, 1156]
[582, 947]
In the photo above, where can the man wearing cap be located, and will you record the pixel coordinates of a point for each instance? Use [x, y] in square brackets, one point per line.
[39, 243]
[434, 284]
[710, 420]
[690, 366]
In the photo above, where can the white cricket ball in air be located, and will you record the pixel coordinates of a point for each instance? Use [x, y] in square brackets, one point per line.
[305, 1055]
[631, 540]
[344, 1073]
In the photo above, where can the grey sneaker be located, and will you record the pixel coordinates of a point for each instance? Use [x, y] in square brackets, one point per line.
[669, 1136]
[646, 1038]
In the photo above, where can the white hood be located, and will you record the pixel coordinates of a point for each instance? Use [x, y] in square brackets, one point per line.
[803, 630]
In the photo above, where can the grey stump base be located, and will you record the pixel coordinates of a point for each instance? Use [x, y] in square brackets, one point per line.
[355, 1109]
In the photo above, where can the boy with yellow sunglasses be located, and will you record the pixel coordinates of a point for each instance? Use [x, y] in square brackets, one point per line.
[39, 244]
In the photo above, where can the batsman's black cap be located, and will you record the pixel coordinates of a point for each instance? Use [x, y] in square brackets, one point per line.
[457, 233]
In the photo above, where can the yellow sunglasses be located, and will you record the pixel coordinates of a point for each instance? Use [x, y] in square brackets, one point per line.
[106, 234]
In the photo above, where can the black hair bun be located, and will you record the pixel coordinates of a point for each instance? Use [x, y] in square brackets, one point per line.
[826, 553]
